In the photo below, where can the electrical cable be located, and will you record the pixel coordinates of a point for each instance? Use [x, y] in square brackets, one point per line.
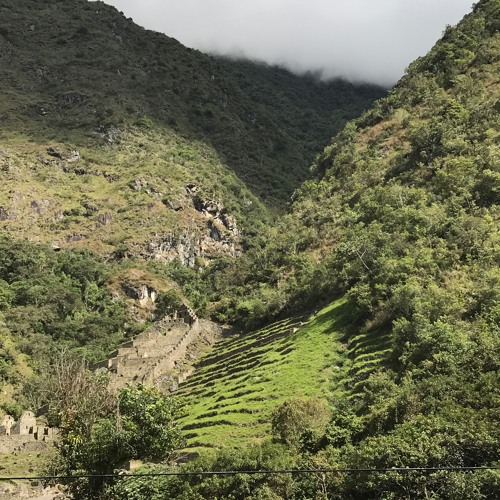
[248, 472]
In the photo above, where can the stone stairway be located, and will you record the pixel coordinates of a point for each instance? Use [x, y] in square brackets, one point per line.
[152, 353]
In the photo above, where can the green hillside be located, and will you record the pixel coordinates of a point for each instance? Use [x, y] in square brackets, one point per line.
[402, 220]
[157, 160]
[235, 389]
[123, 142]
[76, 70]
[366, 320]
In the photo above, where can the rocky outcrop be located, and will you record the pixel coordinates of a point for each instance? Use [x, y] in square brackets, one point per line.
[105, 219]
[220, 234]
[184, 246]
[41, 206]
[214, 211]
[143, 293]
[187, 246]
[140, 184]
[69, 155]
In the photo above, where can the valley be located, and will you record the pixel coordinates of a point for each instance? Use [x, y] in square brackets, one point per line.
[210, 264]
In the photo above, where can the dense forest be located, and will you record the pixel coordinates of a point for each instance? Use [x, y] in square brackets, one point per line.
[395, 234]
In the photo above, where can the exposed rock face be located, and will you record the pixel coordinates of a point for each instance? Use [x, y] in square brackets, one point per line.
[111, 177]
[69, 155]
[175, 205]
[214, 211]
[40, 206]
[186, 246]
[72, 238]
[144, 185]
[111, 134]
[143, 293]
[219, 236]
[105, 219]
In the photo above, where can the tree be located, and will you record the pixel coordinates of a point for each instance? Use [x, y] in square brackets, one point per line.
[297, 418]
[100, 432]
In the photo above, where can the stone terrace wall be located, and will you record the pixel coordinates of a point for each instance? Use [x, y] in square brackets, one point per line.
[154, 351]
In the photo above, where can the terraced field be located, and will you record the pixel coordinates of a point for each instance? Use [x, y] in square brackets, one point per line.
[234, 390]
[366, 352]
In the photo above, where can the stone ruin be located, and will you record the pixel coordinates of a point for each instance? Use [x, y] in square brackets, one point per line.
[151, 354]
[27, 425]
[184, 314]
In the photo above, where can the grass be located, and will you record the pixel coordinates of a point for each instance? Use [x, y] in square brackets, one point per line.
[234, 391]
[235, 388]
[126, 185]
[25, 462]
[366, 351]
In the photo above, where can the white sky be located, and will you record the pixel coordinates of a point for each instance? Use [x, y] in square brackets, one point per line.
[361, 40]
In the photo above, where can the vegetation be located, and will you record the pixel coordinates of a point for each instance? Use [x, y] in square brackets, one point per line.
[235, 389]
[114, 139]
[100, 432]
[92, 72]
[403, 220]
[394, 243]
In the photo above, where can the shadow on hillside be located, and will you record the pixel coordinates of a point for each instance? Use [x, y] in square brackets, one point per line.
[338, 317]
[88, 75]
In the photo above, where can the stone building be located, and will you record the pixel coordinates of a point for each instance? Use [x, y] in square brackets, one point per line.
[27, 425]
[6, 425]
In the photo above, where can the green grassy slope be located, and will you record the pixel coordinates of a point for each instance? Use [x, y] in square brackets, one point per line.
[118, 197]
[235, 389]
[148, 118]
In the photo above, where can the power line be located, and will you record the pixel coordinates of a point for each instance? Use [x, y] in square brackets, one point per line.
[249, 472]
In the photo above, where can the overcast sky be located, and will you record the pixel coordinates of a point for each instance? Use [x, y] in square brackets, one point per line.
[362, 40]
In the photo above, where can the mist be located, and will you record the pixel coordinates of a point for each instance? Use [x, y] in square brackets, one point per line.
[360, 40]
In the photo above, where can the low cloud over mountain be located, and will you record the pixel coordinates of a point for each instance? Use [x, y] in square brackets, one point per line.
[361, 40]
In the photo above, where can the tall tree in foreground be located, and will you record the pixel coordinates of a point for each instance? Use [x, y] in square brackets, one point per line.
[100, 432]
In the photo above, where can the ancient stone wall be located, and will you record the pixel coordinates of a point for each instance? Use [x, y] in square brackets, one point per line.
[154, 351]
[23, 434]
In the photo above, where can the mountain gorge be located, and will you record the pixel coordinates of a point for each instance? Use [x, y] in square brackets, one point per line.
[402, 220]
[365, 319]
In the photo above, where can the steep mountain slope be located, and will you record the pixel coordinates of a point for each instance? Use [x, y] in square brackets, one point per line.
[236, 388]
[399, 229]
[125, 143]
[79, 72]
[420, 168]
[402, 220]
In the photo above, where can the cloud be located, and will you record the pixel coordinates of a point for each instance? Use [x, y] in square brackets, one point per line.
[362, 40]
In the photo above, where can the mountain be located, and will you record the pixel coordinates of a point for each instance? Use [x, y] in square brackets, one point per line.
[149, 162]
[122, 119]
[402, 221]
[368, 315]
